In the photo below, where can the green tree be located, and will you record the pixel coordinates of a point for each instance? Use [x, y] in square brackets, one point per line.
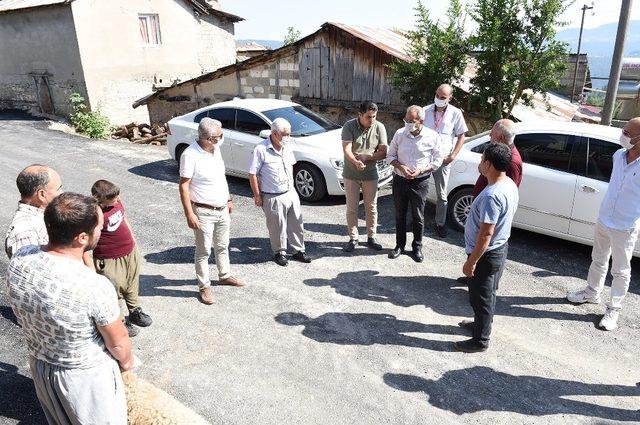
[438, 52]
[292, 36]
[518, 54]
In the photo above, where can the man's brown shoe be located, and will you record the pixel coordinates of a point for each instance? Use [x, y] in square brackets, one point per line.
[231, 281]
[205, 295]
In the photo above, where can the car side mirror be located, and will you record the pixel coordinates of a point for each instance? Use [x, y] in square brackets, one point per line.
[264, 134]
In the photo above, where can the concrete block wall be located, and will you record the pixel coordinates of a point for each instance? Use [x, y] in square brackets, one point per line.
[262, 80]
[216, 44]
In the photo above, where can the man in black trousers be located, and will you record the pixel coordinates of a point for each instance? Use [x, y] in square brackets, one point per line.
[486, 233]
[415, 152]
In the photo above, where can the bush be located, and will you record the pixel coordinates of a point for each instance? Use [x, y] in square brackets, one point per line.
[90, 123]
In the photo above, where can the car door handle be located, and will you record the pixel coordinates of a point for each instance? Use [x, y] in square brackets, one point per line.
[588, 189]
[238, 144]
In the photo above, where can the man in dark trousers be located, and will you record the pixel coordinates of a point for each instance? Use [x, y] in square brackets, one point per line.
[486, 233]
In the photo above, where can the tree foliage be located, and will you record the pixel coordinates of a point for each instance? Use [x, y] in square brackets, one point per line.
[292, 36]
[439, 55]
[517, 51]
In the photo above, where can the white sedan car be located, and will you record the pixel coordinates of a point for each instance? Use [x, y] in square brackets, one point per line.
[566, 171]
[316, 142]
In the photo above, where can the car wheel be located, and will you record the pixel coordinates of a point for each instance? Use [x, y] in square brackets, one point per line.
[179, 149]
[309, 182]
[459, 207]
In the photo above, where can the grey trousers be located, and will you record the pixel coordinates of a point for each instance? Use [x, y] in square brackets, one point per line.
[80, 396]
[284, 221]
[441, 180]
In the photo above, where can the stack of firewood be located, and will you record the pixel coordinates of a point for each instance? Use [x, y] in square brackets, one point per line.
[142, 133]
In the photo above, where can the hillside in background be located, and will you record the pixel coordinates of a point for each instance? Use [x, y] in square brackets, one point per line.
[271, 44]
[598, 43]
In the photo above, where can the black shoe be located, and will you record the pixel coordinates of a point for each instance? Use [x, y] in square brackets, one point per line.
[464, 280]
[351, 245]
[373, 244]
[417, 255]
[302, 257]
[395, 252]
[140, 318]
[442, 231]
[280, 259]
[470, 346]
[131, 330]
[467, 324]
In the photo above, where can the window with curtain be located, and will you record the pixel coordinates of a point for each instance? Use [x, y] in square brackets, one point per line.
[149, 29]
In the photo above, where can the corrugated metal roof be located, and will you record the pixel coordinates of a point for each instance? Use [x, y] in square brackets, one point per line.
[388, 40]
[9, 5]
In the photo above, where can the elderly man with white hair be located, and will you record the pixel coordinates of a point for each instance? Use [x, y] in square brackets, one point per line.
[207, 205]
[271, 179]
[415, 152]
[448, 121]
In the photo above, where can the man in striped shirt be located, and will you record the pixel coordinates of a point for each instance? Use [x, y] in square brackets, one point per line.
[38, 186]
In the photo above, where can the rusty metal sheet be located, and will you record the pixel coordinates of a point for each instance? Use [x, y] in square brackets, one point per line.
[387, 40]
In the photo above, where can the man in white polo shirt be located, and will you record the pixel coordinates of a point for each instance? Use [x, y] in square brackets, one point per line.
[616, 230]
[207, 205]
[448, 121]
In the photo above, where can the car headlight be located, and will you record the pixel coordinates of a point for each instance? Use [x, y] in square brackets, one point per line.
[337, 163]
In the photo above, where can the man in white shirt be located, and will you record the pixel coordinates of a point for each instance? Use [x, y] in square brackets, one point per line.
[207, 205]
[38, 186]
[616, 230]
[415, 152]
[448, 121]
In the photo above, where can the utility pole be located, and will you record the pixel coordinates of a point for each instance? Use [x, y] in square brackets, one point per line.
[616, 63]
[575, 71]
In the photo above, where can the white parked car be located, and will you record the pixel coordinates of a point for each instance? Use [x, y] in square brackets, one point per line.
[566, 171]
[316, 142]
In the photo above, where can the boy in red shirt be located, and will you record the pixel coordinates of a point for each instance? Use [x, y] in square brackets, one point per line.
[117, 257]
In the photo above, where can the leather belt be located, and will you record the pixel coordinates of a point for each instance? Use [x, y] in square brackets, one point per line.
[207, 206]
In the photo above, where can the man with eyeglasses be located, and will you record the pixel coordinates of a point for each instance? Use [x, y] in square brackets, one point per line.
[448, 121]
[415, 152]
[207, 205]
[616, 231]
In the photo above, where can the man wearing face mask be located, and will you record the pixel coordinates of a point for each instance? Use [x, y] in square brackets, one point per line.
[204, 194]
[414, 152]
[271, 179]
[448, 121]
[616, 231]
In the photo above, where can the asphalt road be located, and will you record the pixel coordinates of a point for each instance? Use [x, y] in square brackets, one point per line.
[347, 339]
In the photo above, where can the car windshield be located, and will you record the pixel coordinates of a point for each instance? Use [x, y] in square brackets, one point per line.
[303, 121]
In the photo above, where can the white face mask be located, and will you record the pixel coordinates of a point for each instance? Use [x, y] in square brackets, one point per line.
[440, 103]
[285, 140]
[625, 141]
[219, 142]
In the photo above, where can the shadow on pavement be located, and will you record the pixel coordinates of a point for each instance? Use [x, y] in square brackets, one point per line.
[368, 329]
[441, 294]
[18, 398]
[480, 389]
[165, 170]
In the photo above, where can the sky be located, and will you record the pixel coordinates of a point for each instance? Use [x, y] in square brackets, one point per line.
[268, 20]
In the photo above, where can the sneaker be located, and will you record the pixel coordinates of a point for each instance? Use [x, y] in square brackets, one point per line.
[140, 318]
[583, 296]
[131, 330]
[610, 319]
[205, 295]
[470, 346]
[351, 245]
[373, 244]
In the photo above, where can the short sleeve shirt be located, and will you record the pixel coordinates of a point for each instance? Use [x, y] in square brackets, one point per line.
[207, 173]
[273, 168]
[496, 204]
[450, 124]
[116, 239]
[27, 228]
[363, 142]
[59, 303]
